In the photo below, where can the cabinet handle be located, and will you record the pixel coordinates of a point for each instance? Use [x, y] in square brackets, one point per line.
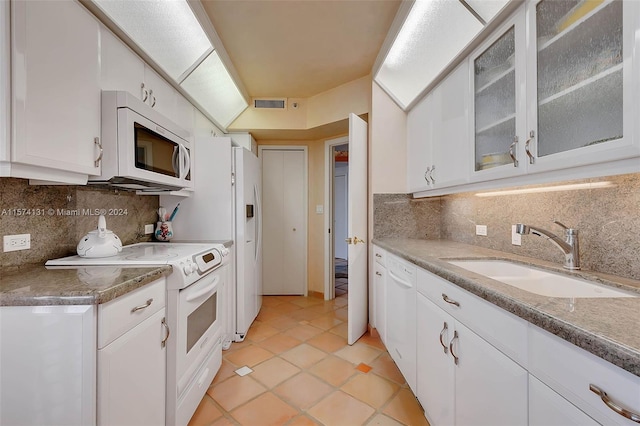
[634, 417]
[153, 103]
[511, 151]
[166, 326]
[378, 274]
[451, 301]
[532, 159]
[433, 180]
[455, 337]
[445, 328]
[145, 93]
[96, 141]
[426, 174]
[378, 255]
[141, 307]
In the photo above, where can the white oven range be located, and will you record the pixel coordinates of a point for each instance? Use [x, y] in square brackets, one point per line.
[194, 314]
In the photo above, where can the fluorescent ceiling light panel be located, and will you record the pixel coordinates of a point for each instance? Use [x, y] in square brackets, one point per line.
[487, 9]
[167, 30]
[433, 34]
[212, 87]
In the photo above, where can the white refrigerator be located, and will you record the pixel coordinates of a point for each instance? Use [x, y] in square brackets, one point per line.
[225, 205]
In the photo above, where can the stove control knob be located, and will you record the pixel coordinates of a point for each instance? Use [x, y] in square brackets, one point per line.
[186, 269]
[224, 252]
[194, 267]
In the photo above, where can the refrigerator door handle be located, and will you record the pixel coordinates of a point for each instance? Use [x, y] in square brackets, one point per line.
[258, 222]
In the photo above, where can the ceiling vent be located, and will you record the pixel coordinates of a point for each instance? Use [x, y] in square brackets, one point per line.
[270, 103]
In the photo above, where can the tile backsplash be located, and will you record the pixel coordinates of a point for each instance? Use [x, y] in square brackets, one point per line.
[606, 211]
[58, 216]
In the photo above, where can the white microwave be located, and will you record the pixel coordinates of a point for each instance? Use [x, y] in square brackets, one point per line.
[141, 149]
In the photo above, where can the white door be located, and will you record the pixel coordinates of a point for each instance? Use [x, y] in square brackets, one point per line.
[284, 218]
[357, 229]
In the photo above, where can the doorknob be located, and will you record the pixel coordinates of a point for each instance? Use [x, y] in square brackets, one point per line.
[354, 240]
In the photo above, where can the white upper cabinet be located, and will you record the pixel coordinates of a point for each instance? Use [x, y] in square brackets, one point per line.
[5, 92]
[557, 92]
[55, 89]
[437, 135]
[498, 107]
[581, 78]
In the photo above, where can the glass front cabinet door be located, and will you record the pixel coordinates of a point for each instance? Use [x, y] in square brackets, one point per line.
[557, 87]
[581, 80]
[498, 110]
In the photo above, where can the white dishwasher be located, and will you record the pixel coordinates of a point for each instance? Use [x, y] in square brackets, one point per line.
[401, 316]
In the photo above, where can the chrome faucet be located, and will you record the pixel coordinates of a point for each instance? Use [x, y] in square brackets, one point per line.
[569, 246]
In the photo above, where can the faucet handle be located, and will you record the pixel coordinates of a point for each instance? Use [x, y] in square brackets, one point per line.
[567, 230]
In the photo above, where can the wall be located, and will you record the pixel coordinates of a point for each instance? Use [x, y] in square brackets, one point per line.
[606, 217]
[315, 228]
[63, 220]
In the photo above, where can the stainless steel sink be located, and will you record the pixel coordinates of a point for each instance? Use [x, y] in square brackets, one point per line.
[538, 281]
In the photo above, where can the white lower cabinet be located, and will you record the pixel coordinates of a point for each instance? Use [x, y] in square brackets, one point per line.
[462, 379]
[379, 293]
[132, 358]
[547, 408]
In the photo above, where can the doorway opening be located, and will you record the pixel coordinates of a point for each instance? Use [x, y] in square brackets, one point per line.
[340, 217]
[336, 202]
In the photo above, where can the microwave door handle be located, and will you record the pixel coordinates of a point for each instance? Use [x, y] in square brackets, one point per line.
[186, 161]
[175, 159]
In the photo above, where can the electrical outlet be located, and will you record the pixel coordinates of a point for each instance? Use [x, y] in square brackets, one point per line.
[148, 229]
[481, 230]
[17, 242]
[516, 239]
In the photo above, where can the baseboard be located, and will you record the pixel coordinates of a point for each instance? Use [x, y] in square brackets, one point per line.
[316, 294]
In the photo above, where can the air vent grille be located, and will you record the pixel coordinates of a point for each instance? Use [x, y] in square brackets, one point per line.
[270, 103]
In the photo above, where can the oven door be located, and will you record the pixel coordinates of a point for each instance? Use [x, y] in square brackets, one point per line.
[151, 153]
[199, 325]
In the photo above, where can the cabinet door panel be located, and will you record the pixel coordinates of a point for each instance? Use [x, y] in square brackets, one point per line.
[56, 88]
[491, 389]
[547, 408]
[162, 94]
[379, 289]
[121, 69]
[435, 382]
[131, 376]
[420, 139]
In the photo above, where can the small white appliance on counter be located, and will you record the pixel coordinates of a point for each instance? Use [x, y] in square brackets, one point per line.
[226, 205]
[195, 314]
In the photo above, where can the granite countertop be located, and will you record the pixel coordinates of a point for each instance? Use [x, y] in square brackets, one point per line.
[607, 327]
[37, 285]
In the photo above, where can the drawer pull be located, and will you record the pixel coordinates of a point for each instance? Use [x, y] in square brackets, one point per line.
[444, 347]
[455, 358]
[141, 307]
[166, 326]
[378, 274]
[634, 417]
[451, 301]
[378, 255]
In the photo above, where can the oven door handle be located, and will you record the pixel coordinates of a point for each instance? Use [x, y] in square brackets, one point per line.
[205, 291]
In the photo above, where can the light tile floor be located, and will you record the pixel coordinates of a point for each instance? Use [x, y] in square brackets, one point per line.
[304, 373]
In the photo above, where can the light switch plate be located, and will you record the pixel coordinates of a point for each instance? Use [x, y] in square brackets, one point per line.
[481, 230]
[148, 229]
[516, 239]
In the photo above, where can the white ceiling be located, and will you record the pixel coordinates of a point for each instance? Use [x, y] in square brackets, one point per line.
[300, 48]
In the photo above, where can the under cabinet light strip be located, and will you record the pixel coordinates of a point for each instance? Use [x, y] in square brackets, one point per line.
[570, 187]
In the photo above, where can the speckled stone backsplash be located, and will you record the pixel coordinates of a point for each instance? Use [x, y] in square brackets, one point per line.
[58, 216]
[399, 215]
[606, 211]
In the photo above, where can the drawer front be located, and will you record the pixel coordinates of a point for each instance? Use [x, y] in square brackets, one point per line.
[570, 370]
[379, 255]
[122, 314]
[502, 329]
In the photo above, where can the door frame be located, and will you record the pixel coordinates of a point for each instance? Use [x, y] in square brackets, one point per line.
[329, 279]
[305, 197]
